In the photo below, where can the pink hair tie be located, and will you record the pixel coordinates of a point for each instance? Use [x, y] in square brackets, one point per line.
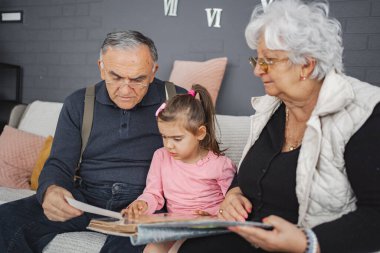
[191, 92]
[162, 107]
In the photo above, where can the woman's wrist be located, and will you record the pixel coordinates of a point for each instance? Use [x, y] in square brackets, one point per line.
[233, 191]
[311, 241]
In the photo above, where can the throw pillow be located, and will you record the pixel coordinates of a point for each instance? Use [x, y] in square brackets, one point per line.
[18, 153]
[208, 74]
[43, 156]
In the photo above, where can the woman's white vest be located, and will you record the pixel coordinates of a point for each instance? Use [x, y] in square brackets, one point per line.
[323, 190]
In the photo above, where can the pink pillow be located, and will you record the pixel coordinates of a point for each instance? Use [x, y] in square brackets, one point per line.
[19, 151]
[208, 73]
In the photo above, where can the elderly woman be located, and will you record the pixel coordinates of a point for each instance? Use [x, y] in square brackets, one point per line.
[311, 167]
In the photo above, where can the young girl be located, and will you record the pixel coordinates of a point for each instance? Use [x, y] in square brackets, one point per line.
[190, 173]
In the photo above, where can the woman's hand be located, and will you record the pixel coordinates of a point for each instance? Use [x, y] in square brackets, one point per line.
[135, 209]
[285, 236]
[235, 206]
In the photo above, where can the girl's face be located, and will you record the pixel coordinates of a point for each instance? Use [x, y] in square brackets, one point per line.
[179, 142]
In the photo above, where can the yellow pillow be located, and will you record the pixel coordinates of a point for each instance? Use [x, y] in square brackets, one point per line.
[43, 156]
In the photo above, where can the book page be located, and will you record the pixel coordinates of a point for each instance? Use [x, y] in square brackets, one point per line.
[92, 209]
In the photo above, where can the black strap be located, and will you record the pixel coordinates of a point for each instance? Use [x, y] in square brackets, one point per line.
[88, 114]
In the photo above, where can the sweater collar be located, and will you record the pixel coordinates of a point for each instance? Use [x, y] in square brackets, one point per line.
[336, 92]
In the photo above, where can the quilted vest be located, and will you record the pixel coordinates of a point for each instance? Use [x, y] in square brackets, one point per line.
[322, 187]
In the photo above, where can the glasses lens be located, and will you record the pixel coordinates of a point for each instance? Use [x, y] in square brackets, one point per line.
[260, 61]
[264, 65]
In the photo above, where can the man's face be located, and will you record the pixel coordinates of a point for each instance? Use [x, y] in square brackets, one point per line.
[127, 74]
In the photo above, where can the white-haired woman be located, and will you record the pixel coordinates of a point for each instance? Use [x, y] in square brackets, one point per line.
[311, 167]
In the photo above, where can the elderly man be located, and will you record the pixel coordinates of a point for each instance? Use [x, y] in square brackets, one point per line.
[115, 162]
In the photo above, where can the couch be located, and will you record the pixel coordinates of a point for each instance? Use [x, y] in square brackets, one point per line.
[40, 118]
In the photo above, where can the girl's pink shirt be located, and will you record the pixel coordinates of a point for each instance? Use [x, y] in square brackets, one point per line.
[187, 187]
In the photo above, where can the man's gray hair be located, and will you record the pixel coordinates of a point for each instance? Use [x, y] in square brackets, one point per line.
[127, 40]
[304, 29]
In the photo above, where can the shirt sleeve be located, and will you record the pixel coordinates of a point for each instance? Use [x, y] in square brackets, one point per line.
[153, 193]
[358, 231]
[60, 168]
[227, 175]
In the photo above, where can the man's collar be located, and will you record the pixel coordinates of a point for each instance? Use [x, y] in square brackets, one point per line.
[152, 96]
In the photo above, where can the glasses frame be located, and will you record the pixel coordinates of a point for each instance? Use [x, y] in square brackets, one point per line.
[264, 63]
[123, 82]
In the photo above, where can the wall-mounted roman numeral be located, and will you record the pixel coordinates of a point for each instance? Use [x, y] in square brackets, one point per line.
[170, 7]
[213, 17]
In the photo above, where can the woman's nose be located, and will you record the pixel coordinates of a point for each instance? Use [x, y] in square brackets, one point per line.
[258, 71]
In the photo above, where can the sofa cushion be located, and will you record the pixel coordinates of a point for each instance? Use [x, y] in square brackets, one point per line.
[42, 157]
[208, 73]
[18, 153]
[41, 118]
[11, 194]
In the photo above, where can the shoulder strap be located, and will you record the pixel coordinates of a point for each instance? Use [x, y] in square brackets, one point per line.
[170, 90]
[88, 113]
[88, 116]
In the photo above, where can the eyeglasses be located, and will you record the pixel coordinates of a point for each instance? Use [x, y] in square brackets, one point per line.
[264, 63]
[119, 82]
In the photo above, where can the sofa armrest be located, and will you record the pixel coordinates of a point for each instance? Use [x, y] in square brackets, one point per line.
[16, 114]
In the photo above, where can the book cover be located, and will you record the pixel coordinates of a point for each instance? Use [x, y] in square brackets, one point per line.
[158, 227]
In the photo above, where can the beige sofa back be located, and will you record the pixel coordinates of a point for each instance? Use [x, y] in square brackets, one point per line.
[41, 117]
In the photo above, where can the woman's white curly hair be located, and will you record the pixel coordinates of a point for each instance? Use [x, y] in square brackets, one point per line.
[302, 29]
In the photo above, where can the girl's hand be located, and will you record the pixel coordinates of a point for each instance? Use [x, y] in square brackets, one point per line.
[135, 209]
[201, 213]
[285, 236]
[235, 206]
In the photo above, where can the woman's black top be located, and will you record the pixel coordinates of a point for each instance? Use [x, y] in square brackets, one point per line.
[267, 177]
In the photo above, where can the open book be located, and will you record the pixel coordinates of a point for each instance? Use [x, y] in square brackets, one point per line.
[158, 227]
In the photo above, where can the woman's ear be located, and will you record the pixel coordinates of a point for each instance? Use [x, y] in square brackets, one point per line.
[307, 68]
[201, 133]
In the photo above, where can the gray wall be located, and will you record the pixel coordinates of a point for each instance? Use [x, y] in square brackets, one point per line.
[57, 45]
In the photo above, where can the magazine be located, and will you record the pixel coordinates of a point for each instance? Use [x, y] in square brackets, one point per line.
[158, 227]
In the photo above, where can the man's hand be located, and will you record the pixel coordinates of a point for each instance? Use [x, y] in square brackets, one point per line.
[135, 209]
[55, 206]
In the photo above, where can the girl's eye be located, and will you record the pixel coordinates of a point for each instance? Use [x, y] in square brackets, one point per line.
[177, 139]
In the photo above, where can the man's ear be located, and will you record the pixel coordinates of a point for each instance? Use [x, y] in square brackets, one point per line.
[101, 69]
[201, 133]
[154, 70]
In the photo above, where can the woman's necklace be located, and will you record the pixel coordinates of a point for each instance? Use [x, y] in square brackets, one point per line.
[291, 142]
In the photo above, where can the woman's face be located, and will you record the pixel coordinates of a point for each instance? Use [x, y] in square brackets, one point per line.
[281, 78]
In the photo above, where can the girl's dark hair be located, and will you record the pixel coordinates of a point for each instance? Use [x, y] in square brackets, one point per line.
[195, 113]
